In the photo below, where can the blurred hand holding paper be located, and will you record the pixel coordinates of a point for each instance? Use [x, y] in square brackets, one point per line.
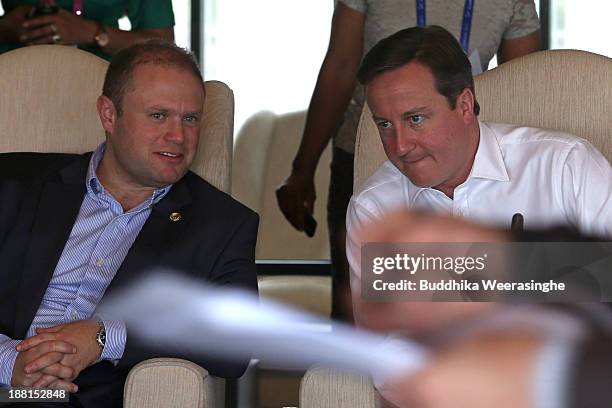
[177, 313]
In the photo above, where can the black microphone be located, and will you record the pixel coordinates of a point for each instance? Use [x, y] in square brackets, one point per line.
[517, 223]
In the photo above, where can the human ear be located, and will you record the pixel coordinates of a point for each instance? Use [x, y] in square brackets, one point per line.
[107, 113]
[465, 105]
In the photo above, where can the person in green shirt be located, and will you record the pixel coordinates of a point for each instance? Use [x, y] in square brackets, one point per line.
[92, 25]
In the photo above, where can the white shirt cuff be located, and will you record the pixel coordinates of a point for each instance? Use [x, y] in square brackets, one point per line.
[116, 337]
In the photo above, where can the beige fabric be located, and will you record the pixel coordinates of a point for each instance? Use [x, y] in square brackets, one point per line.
[48, 104]
[171, 382]
[48, 99]
[565, 90]
[309, 293]
[214, 159]
[265, 148]
[327, 388]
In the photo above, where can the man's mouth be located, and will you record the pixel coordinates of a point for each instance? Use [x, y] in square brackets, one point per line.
[169, 154]
[411, 160]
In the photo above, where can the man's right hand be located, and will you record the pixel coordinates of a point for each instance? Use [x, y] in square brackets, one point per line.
[49, 353]
[296, 197]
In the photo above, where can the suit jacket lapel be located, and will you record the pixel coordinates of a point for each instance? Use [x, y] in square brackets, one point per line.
[157, 234]
[59, 205]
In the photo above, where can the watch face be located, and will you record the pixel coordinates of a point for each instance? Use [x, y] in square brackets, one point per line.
[101, 337]
[102, 40]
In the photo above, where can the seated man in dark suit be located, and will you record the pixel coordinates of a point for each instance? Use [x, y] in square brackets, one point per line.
[73, 228]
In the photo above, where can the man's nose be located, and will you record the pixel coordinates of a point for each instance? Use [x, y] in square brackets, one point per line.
[176, 131]
[405, 141]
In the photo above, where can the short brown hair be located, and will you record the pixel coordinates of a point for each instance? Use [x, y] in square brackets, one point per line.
[154, 52]
[431, 46]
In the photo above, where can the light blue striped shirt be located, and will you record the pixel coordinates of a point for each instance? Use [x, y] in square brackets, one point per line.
[100, 239]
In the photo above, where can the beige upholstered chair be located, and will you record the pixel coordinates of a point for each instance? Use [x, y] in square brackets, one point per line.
[327, 388]
[567, 90]
[190, 385]
[264, 150]
[47, 104]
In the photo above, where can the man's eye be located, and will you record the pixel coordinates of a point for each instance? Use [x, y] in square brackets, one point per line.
[191, 119]
[157, 115]
[416, 119]
[384, 124]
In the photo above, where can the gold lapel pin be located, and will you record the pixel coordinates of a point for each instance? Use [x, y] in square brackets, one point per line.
[175, 216]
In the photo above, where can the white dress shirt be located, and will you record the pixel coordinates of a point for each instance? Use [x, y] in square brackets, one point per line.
[552, 178]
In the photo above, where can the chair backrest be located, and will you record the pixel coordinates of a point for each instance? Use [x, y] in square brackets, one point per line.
[264, 149]
[48, 104]
[566, 90]
[328, 388]
[172, 382]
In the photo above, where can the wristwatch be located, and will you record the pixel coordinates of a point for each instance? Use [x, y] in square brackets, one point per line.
[101, 36]
[101, 335]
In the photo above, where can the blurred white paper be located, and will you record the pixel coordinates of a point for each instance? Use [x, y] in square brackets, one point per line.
[175, 312]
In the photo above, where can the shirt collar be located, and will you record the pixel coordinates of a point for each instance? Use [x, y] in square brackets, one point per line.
[95, 189]
[488, 162]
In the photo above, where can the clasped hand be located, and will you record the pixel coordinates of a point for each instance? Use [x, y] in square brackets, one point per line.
[61, 28]
[56, 355]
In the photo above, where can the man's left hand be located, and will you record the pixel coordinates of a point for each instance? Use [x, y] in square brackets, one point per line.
[82, 334]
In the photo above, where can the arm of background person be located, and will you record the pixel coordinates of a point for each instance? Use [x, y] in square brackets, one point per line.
[81, 31]
[331, 96]
[523, 33]
[517, 47]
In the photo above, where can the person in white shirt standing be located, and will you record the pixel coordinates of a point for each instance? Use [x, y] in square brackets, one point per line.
[420, 90]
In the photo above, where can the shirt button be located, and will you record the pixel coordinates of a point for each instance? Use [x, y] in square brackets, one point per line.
[74, 315]
[100, 262]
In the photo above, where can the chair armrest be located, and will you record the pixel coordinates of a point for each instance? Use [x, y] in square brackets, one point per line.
[172, 382]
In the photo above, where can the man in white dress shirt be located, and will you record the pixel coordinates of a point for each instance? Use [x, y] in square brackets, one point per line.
[443, 159]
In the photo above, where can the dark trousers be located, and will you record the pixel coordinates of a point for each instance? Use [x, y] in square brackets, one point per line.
[340, 192]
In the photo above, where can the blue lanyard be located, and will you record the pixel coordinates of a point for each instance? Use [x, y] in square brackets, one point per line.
[466, 23]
